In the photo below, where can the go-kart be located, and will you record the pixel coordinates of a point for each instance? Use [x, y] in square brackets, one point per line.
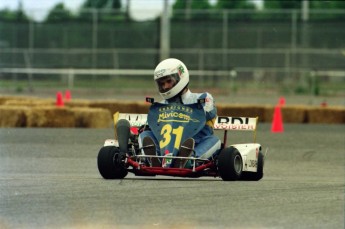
[172, 124]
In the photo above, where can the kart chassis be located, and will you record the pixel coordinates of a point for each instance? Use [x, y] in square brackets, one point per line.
[246, 160]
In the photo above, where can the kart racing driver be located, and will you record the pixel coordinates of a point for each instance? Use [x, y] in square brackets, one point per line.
[172, 79]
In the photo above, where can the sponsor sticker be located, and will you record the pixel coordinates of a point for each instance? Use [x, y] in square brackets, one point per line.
[180, 70]
[135, 120]
[253, 163]
[159, 73]
[235, 123]
[166, 162]
[176, 113]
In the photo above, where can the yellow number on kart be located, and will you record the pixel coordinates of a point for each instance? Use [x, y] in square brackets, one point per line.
[166, 136]
[178, 132]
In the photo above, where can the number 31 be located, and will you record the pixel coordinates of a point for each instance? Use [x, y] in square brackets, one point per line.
[166, 132]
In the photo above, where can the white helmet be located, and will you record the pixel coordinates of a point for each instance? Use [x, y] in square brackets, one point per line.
[171, 68]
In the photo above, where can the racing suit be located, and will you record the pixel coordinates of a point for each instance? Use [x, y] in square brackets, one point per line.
[206, 143]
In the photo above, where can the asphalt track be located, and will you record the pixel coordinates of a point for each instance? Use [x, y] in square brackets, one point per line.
[49, 179]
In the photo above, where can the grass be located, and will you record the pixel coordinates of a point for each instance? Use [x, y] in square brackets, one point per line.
[121, 83]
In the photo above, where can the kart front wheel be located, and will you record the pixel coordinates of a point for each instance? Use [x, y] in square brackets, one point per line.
[230, 164]
[109, 165]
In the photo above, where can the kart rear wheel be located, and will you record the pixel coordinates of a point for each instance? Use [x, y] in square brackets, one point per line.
[230, 164]
[250, 176]
[109, 165]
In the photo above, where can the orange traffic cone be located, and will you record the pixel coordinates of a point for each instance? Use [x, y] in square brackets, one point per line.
[281, 101]
[68, 95]
[59, 99]
[324, 104]
[277, 122]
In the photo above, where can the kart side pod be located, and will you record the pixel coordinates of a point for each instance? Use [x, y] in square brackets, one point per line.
[239, 161]
[250, 154]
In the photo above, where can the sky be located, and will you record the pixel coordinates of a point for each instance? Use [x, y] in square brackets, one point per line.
[38, 9]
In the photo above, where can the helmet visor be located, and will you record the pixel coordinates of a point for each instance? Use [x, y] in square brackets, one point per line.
[166, 83]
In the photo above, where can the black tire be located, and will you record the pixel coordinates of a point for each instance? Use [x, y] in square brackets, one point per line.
[123, 133]
[108, 165]
[230, 164]
[250, 176]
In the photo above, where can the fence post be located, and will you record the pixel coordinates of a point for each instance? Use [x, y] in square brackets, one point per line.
[94, 40]
[70, 81]
[27, 59]
[165, 33]
[233, 75]
[314, 85]
[201, 67]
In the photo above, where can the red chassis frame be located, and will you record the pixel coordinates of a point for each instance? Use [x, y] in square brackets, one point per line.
[207, 169]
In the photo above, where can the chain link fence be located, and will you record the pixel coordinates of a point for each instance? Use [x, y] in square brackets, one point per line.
[259, 48]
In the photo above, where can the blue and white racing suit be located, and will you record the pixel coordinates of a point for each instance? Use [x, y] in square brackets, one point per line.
[206, 143]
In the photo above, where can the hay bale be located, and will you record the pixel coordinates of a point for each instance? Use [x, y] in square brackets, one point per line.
[111, 106]
[294, 114]
[136, 107]
[92, 117]
[143, 108]
[50, 117]
[241, 111]
[11, 116]
[128, 107]
[3, 99]
[291, 114]
[77, 103]
[122, 107]
[328, 115]
[268, 113]
[30, 102]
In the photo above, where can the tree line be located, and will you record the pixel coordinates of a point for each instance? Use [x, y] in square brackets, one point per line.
[114, 10]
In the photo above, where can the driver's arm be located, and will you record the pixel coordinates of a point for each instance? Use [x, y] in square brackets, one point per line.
[209, 108]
